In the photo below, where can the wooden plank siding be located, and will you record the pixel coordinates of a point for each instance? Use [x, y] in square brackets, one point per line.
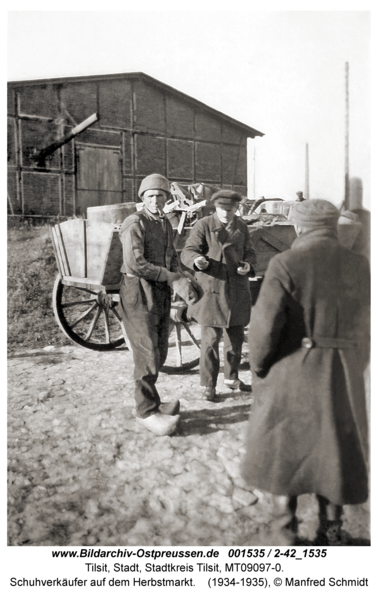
[150, 126]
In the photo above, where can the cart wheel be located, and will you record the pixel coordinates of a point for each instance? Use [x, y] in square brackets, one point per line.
[89, 319]
[244, 363]
[184, 345]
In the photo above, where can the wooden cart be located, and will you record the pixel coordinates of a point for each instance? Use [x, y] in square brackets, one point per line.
[86, 290]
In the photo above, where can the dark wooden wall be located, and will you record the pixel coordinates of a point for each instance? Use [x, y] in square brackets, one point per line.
[142, 129]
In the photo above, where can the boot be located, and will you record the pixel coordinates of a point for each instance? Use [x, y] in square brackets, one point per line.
[329, 531]
[237, 385]
[160, 424]
[321, 538]
[285, 523]
[333, 533]
[209, 394]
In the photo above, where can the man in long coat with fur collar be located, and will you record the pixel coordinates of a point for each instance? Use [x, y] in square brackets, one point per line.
[309, 346]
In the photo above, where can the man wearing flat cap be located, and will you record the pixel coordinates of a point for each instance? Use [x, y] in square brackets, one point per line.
[299, 197]
[220, 252]
[150, 267]
[309, 346]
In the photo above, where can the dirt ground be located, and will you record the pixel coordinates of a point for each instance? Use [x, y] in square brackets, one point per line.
[83, 472]
[81, 469]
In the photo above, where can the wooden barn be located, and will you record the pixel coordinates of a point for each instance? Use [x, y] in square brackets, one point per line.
[140, 126]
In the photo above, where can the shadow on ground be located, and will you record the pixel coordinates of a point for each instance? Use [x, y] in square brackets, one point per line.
[207, 421]
[350, 541]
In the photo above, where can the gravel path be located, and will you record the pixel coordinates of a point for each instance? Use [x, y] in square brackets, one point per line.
[83, 472]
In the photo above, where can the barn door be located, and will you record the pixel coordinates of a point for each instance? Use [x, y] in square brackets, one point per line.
[99, 177]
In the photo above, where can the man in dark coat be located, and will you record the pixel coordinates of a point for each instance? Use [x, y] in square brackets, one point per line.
[309, 346]
[150, 266]
[220, 252]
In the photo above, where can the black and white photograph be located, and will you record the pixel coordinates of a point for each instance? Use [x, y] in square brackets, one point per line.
[188, 288]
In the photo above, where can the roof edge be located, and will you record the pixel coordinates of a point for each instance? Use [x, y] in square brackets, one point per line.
[140, 75]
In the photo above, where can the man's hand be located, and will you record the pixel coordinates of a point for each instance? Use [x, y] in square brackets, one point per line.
[171, 277]
[243, 269]
[201, 263]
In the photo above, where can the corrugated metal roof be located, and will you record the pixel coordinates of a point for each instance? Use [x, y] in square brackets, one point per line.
[155, 82]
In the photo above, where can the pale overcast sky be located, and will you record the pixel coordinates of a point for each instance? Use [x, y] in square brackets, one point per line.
[280, 72]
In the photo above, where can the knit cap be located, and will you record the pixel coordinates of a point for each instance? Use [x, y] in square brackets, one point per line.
[154, 182]
[314, 213]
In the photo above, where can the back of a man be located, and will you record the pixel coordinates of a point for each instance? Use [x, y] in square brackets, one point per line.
[326, 282]
[309, 345]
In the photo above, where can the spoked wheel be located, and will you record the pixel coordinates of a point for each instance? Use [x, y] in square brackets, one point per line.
[244, 363]
[184, 341]
[90, 319]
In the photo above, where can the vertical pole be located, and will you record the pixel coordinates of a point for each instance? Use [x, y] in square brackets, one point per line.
[222, 156]
[237, 160]
[307, 177]
[346, 182]
[20, 187]
[133, 141]
[254, 173]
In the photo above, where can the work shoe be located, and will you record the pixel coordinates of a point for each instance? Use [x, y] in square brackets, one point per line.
[237, 385]
[160, 424]
[209, 394]
[334, 534]
[330, 533]
[170, 408]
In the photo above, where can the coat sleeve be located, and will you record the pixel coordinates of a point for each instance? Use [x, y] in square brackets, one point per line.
[249, 254]
[132, 238]
[175, 261]
[195, 246]
[363, 319]
[268, 317]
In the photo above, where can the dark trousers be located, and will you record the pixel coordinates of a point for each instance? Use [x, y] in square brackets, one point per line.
[327, 510]
[145, 308]
[209, 362]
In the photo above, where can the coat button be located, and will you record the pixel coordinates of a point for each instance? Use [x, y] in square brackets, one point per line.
[307, 343]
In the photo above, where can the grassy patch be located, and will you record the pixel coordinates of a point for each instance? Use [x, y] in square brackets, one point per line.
[31, 273]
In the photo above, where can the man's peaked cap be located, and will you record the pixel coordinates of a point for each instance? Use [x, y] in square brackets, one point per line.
[225, 197]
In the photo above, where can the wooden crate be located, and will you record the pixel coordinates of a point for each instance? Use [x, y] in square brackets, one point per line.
[269, 240]
[88, 250]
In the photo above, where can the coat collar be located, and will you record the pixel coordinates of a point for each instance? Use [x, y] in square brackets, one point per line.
[315, 235]
[151, 216]
[216, 225]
